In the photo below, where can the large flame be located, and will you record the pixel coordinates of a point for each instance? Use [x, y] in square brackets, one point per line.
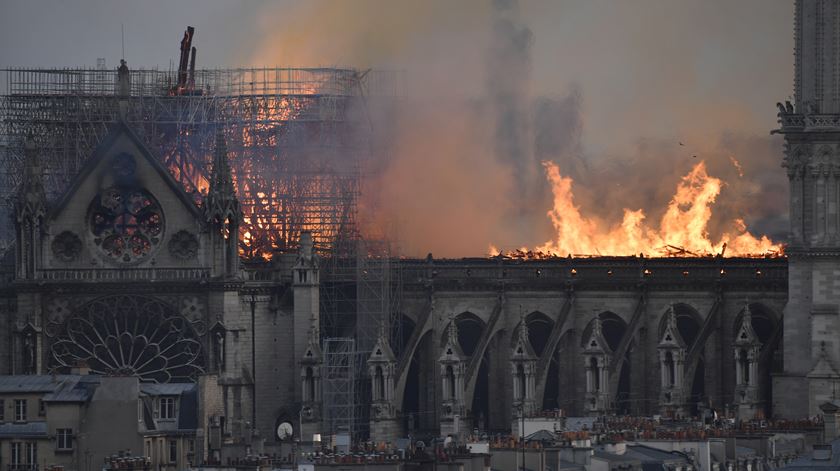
[682, 231]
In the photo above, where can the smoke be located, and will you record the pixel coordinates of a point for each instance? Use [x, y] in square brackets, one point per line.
[508, 80]
[624, 104]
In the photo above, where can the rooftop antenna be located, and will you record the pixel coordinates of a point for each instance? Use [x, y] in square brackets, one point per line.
[122, 31]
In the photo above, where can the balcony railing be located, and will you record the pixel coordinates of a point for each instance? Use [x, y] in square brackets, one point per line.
[111, 274]
[23, 467]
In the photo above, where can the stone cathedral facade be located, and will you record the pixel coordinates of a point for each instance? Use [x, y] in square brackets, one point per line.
[127, 274]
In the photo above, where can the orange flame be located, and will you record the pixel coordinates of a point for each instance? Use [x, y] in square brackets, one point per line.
[683, 230]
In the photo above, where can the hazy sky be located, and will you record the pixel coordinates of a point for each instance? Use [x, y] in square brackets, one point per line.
[625, 55]
[703, 71]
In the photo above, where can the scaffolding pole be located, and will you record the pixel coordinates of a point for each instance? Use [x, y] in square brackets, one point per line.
[339, 382]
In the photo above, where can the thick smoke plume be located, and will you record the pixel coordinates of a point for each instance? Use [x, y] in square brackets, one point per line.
[624, 105]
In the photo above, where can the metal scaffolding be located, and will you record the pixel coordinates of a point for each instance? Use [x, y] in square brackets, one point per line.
[339, 379]
[298, 139]
[300, 143]
[361, 287]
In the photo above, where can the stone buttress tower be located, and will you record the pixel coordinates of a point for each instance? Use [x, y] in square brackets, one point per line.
[672, 351]
[382, 365]
[310, 363]
[453, 363]
[223, 214]
[747, 348]
[523, 366]
[597, 356]
[811, 128]
[306, 291]
[31, 233]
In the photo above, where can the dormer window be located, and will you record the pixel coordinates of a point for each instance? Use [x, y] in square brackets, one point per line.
[167, 408]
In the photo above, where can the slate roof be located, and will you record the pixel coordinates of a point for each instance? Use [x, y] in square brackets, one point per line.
[647, 454]
[57, 388]
[808, 462]
[77, 389]
[30, 383]
[25, 430]
[576, 424]
[166, 389]
[540, 436]
[612, 457]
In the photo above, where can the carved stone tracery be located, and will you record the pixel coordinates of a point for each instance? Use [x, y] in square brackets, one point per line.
[131, 335]
[66, 246]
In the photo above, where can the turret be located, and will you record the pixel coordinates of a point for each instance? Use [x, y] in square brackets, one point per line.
[382, 365]
[222, 212]
[30, 211]
[672, 351]
[523, 365]
[747, 385]
[452, 363]
[310, 382]
[596, 354]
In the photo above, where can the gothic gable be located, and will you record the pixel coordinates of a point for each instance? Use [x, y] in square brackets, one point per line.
[746, 336]
[452, 352]
[382, 352]
[312, 355]
[124, 209]
[596, 343]
[523, 350]
[671, 337]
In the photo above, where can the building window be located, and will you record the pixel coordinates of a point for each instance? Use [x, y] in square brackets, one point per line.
[173, 451]
[24, 453]
[64, 439]
[17, 455]
[31, 453]
[20, 410]
[2, 410]
[42, 408]
[167, 408]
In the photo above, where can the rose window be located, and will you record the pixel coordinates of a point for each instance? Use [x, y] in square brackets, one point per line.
[126, 223]
[130, 335]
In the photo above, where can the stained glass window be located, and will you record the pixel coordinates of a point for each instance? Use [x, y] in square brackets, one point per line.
[126, 223]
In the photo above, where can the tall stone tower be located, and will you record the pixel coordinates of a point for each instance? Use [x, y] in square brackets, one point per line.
[811, 128]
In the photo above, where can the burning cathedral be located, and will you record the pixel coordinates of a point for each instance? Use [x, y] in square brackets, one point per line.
[199, 226]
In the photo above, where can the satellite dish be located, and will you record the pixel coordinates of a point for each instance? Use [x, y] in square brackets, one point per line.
[284, 431]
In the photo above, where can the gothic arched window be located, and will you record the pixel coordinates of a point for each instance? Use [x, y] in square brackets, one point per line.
[596, 374]
[744, 364]
[669, 368]
[450, 381]
[309, 385]
[520, 379]
[380, 383]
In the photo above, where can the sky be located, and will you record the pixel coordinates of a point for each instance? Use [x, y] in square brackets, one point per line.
[607, 89]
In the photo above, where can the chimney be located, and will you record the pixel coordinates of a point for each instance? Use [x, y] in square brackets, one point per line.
[822, 452]
[831, 421]
[80, 368]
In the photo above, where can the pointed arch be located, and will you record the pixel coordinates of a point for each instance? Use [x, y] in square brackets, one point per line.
[689, 322]
[419, 394]
[470, 328]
